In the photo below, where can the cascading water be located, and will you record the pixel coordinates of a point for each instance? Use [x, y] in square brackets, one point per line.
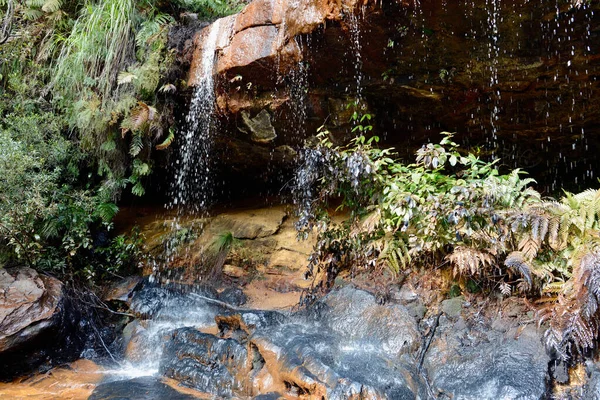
[191, 193]
[493, 8]
[356, 49]
[192, 184]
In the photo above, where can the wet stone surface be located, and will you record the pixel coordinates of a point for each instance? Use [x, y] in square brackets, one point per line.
[144, 388]
[480, 362]
[347, 345]
[205, 362]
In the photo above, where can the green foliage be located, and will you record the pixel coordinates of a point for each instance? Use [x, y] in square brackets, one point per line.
[97, 48]
[106, 79]
[210, 9]
[452, 208]
[47, 219]
[224, 241]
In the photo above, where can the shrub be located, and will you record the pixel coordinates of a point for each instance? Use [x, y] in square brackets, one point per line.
[449, 208]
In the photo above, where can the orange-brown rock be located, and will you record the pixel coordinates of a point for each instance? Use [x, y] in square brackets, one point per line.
[262, 35]
[29, 304]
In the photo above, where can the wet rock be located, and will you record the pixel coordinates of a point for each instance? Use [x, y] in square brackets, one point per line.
[234, 271]
[29, 305]
[234, 296]
[417, 310]
[269, 396]
[122, 290]
[453, 307]
[313, 360]
[148, 300]
[144, 388]
[356, 315]
[248, 321]
[251, 224]
[206, 362]
[174, 302]
[40, 324]
[591, 390]
[478, 362]
[260, 128]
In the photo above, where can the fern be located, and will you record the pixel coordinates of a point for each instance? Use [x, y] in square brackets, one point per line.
[137, 144]
[396, 255]
[505, 289]
[167, 142]
[518, 262]
[529, 246]
[106, 211]
[51, 6]
[468, 260]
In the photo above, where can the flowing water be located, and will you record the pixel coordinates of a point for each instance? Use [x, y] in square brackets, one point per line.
[192, 186]
[191, 193]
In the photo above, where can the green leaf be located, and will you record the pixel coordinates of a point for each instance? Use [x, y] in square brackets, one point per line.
[453, 160]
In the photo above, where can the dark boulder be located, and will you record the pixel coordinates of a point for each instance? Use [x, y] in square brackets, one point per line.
[29, 305]
[357, 315]
[39, 324]
[313, 360]
[248, 321]
[206, 362]
[480, 362]
[234, 296]
[175, 302]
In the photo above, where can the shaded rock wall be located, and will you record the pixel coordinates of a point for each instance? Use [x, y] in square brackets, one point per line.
[515, 78]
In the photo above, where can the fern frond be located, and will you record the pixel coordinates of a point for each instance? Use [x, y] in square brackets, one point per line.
[167, 142]
[395, 253]
[529, 247]
[137, 144]
[32, 14]
[35, 3]
[106, 211]
[126, 77]
[51, 6]
[518, 263]
[554, 287]
[467, 260]
[167, 88]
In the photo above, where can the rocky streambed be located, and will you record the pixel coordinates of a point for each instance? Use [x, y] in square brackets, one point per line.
[175, 336]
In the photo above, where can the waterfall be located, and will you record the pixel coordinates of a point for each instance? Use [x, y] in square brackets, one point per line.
[356, 48]
[493, 8]
[192, 186]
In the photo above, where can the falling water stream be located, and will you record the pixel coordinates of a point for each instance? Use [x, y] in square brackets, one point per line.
[191, 193]
[192, 189]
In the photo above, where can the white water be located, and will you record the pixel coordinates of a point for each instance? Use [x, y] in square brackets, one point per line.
[191, 191]
[149, 336]
[192, 188]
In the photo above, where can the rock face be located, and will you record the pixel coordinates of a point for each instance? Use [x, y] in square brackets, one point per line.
[144, 388]
[261, 352]
[206, 362]
[39, 324]
[476, 363]
[515, 78]
[347, 345]
[356, 315]
[29, 304]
